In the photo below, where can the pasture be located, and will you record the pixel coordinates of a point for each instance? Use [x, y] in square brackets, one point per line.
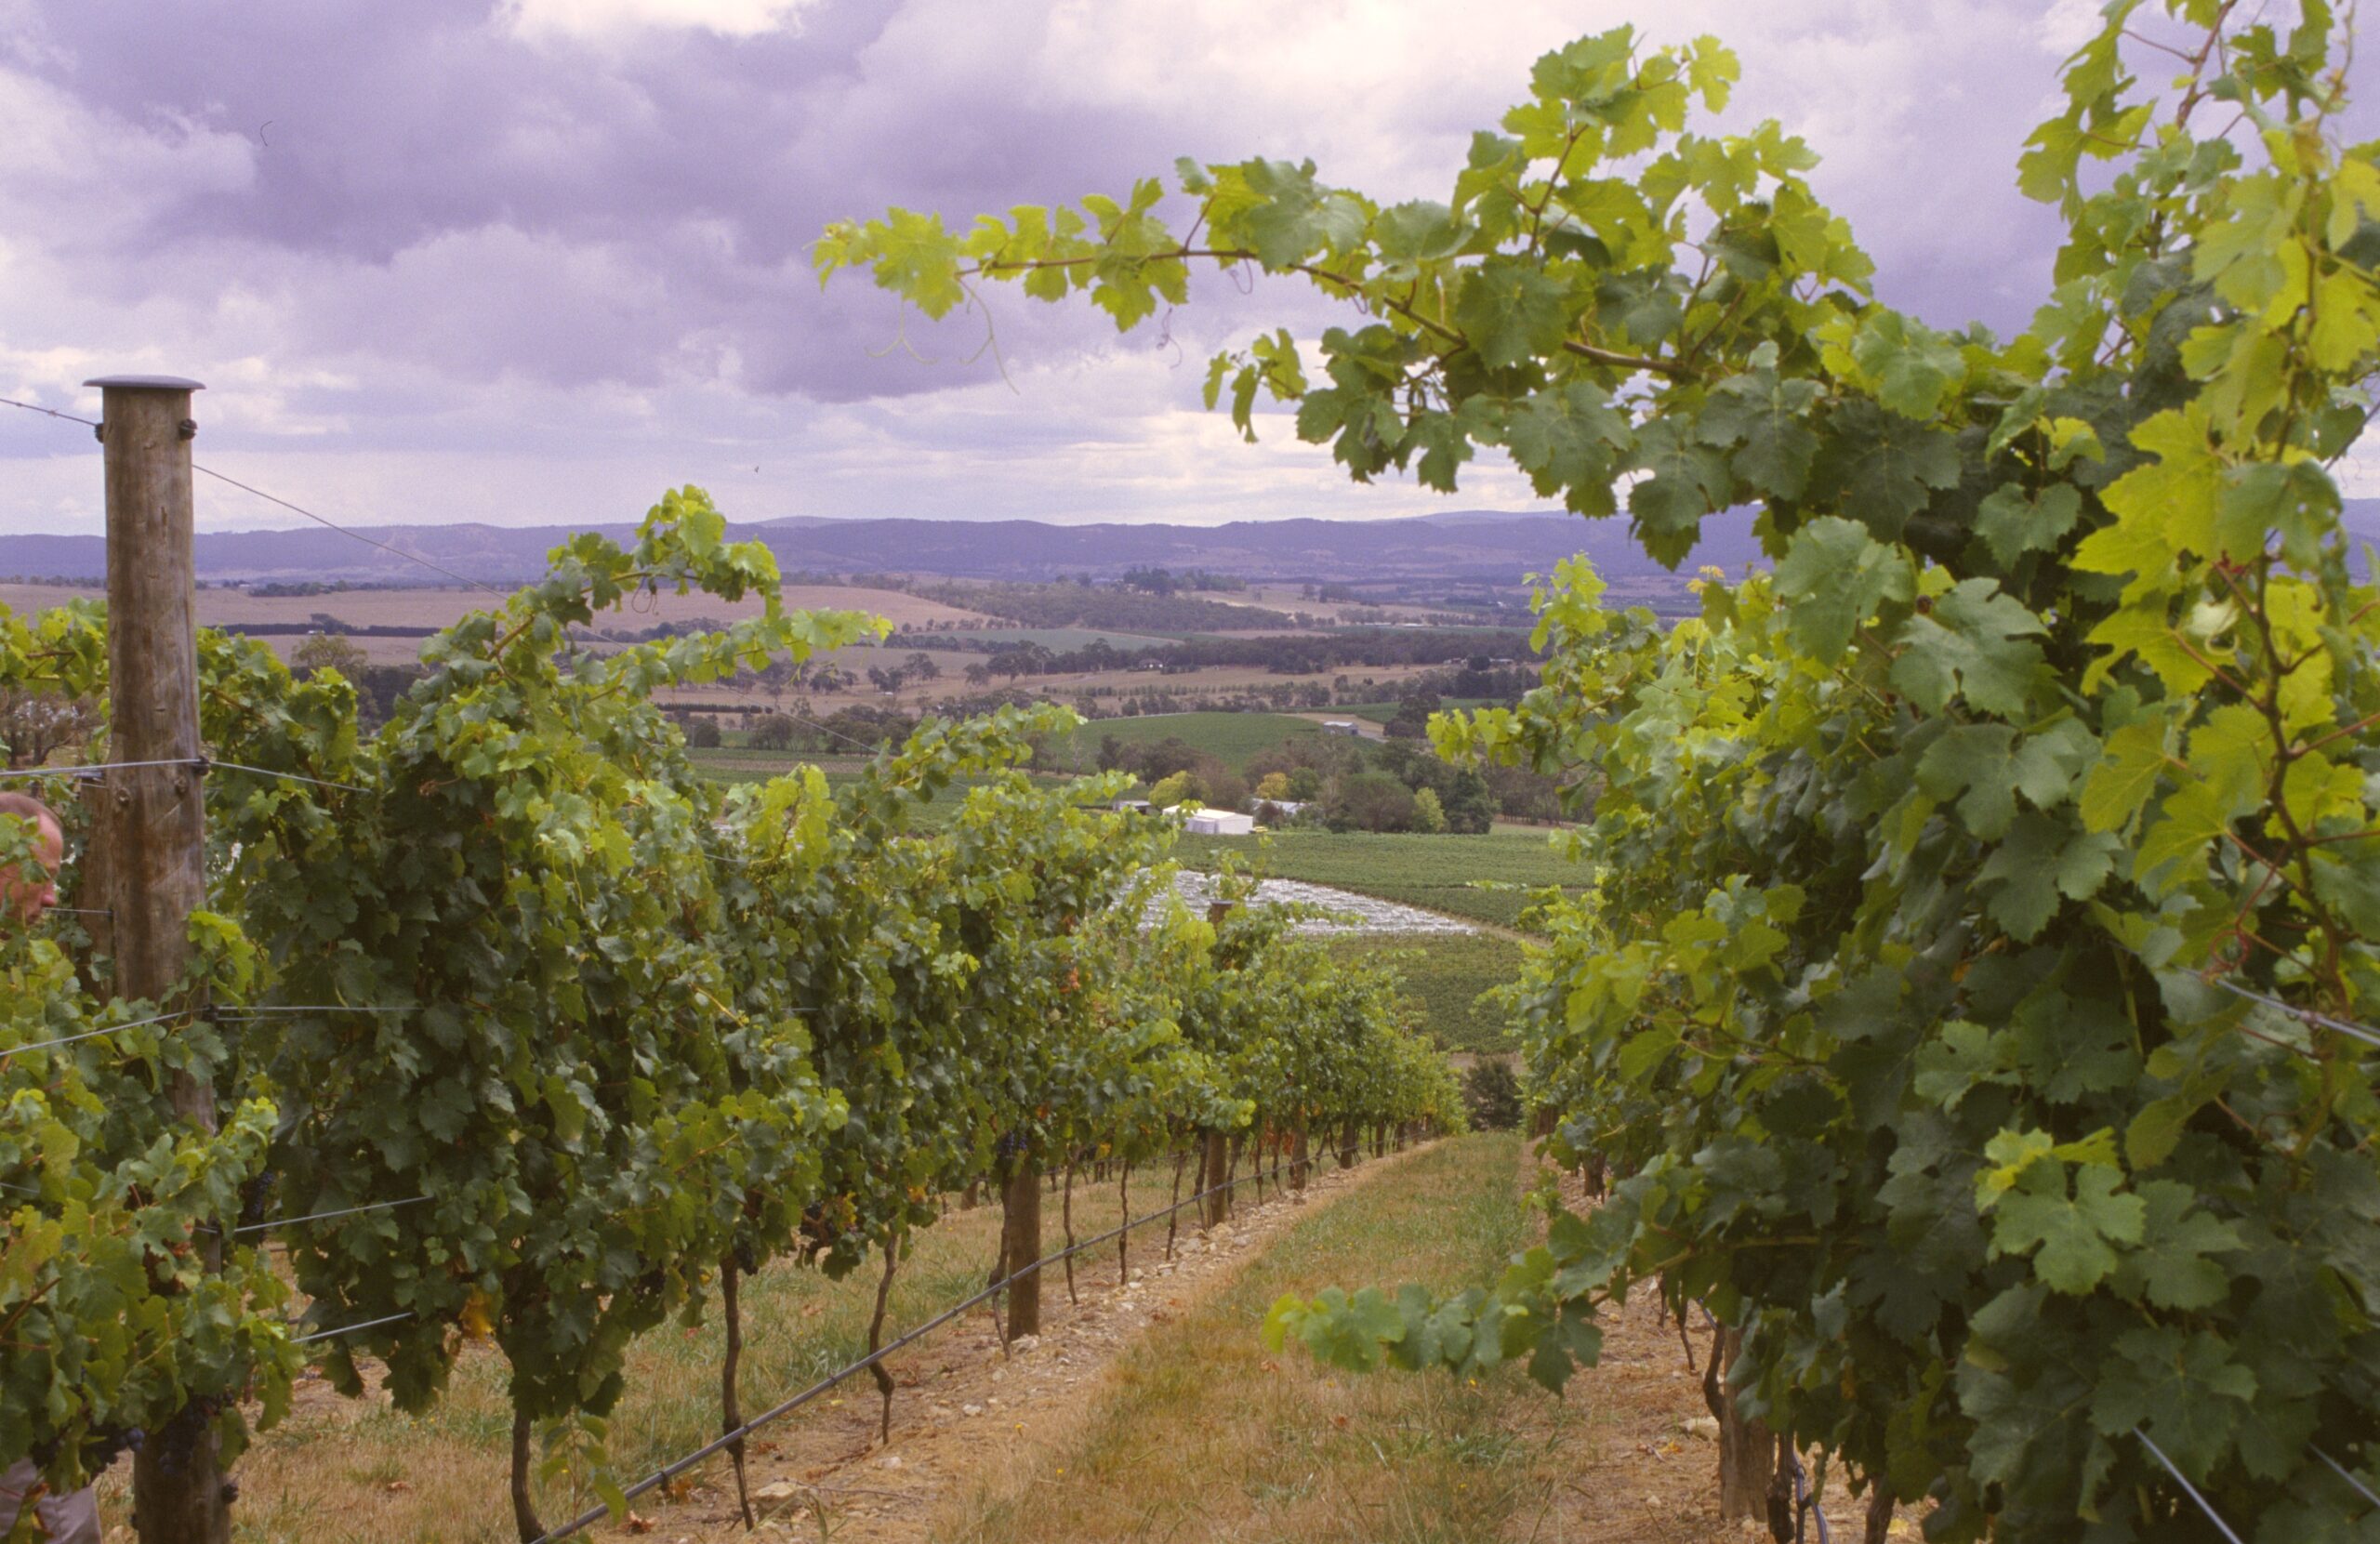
[1442, 975]
[1231, 738]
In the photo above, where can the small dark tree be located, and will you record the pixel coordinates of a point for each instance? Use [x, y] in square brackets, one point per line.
[1369, 801]
[1471, 809]
[1492, 1093]
[326, 652]
[1412, 720]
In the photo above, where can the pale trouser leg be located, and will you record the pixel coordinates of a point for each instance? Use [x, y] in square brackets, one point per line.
[67, 1519]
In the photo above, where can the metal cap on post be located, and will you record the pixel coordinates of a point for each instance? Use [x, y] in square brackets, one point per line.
[152, 823]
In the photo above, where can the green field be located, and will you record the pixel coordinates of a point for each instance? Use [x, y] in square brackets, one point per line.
[740, 764]
[759, 766]
[1432, 872]
[1444, 975]
[1380, 713]
[1232, 738]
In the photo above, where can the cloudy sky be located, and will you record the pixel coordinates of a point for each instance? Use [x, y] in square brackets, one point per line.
[528, 261]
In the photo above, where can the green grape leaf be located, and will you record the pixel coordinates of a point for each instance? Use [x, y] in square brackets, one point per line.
[2174, 1267]
[2013, 523]
[1879, 468]
[1290, 216]
[2121, 783]
[1974, 642]
[1768, 418]
[1348, 1331]
[2184, 1389]
[1687, 480]
[1913, 366]
[1511, 312]
[1835, 575]
[2043, 860]
[1567, 439]
[2075, 1235]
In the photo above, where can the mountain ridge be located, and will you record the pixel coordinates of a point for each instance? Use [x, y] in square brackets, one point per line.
[1465, 545]
[1487, 545]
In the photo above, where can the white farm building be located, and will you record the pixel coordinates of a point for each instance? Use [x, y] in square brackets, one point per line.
[1220, 823]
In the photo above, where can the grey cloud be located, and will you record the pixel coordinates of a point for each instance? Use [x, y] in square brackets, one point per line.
[672, 190]
[449, 236]
[669, 188]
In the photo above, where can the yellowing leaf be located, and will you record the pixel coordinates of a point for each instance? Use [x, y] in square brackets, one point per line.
[476, 1318]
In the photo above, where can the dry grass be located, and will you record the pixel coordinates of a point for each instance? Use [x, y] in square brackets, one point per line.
[1173, 1424]
[360, 1471]
[1196, 1433]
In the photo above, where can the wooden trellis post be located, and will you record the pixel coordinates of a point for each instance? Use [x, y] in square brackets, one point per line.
[152, 824]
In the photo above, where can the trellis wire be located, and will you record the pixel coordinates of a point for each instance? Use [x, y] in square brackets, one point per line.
[271, 1222]
[201, 762]
[836, 733]
[269, 498]
[7, 1051]
[2306, 1015]
[91, 768]
[2343, 1472]
[258, 1009]
[2184, 1481]
[355, 535]
[50, 412]
[350, 1329]
[368, 541]
[720, 1444]
[294, 777]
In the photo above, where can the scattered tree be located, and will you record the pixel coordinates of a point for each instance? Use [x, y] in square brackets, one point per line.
[320, 651]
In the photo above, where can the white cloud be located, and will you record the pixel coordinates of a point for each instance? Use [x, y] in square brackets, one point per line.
[2069, 24]
[606, 20]
[77, 177]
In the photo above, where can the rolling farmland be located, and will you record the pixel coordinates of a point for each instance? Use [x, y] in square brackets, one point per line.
[1436, 873]
[1231, 738]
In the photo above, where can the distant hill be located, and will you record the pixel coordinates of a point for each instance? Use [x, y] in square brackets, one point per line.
[1480, 546]
[1484, 545]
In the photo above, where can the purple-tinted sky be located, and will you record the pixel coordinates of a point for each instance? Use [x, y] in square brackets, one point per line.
[534, 260]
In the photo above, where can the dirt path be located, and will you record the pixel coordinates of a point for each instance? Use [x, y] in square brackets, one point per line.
[963, 1409]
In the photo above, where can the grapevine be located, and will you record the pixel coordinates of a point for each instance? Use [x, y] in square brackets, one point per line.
[540, 1038]
[1946, 879]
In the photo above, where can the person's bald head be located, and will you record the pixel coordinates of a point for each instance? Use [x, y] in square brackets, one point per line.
[26, 892]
